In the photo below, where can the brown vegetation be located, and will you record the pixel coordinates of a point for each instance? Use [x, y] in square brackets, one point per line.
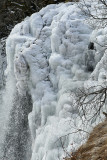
[96, 146]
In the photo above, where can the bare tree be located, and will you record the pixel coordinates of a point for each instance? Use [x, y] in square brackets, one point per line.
[96, 11]
[93, 99]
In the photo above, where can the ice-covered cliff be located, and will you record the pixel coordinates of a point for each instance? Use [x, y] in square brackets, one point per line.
[48, 56]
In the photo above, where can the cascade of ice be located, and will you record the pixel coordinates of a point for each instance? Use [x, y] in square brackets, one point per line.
[15, 139]
[46, 58]
[46, 54]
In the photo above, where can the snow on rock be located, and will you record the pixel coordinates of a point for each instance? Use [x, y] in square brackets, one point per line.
[46, 54]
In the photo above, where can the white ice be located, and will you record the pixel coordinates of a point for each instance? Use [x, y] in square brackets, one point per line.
[46, 54]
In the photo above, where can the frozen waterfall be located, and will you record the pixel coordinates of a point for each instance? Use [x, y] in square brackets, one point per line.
[48, 58]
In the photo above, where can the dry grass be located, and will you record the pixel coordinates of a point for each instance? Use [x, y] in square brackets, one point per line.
[96, 146]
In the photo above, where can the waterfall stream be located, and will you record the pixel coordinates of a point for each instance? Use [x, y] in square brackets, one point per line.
[17, 137]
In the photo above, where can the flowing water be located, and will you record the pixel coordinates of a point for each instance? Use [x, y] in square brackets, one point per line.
[17, 144]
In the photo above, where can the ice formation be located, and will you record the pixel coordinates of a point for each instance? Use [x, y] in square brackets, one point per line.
[48, 56]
